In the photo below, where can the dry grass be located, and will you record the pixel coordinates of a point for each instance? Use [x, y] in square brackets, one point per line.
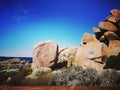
[44, 79]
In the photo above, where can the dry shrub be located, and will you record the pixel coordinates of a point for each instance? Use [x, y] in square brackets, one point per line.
[17, 78]
[44, 79]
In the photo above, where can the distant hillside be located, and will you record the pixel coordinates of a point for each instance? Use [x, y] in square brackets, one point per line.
[2, 58]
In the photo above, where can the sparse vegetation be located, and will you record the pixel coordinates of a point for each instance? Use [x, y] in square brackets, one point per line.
[43, 79]
[38, 71]
[11, 74]
[13, 71]
[17, 78]
[5, 73]
[78, 76]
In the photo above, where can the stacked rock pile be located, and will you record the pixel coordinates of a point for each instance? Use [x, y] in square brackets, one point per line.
[109, 29]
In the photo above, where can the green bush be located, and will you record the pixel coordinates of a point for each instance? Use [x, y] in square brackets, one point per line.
[113, 62]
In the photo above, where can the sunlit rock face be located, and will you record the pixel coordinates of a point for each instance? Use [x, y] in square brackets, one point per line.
[114, 47]
[88, 38]
[91, 55]
[45, 54]
[108, 26]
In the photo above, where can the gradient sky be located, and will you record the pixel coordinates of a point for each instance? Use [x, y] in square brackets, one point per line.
[23, 23]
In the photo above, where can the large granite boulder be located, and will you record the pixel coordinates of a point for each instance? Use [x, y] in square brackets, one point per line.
[88, 38]
[91, 55]
[108, 26]
[45, 54]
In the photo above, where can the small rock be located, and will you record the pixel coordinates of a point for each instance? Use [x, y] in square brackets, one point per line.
[38, 71]
[116, 14]
[102, 38]
[111, 19]
[56, 72]
[111, 35]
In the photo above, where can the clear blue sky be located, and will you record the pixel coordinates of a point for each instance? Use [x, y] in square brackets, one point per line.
[23, 23]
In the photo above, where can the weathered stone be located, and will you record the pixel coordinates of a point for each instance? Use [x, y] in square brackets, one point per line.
[111, 35]
[44, 54]
[114, 47]
[116, 14]
[31, 77]
[68, 53]
[88, 38]
[91, 55]
[87, 63]
[111, 19]
[108, 26]
[96, 30]
[56, 72]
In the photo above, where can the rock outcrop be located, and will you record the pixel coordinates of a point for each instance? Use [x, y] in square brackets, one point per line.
[91, 55]
[45, 54]
[93, 51]
[110, 28]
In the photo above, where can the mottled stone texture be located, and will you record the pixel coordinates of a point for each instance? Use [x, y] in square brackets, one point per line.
[91, 55]
[45, 54]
